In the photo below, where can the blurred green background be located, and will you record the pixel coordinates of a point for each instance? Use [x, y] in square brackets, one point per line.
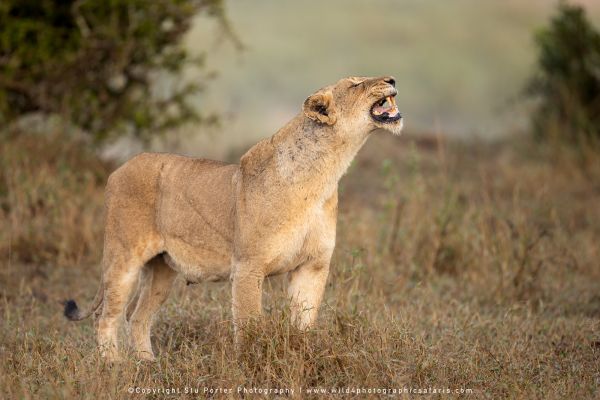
[460, 65]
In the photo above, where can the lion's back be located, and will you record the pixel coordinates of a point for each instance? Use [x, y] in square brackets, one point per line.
[141, 183]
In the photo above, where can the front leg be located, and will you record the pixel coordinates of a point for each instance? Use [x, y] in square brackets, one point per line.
[307, 284]
[246, 295]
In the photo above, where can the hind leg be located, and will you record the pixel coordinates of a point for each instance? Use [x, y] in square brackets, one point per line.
[136, 295]
[122, 266]
[120, 279]
[131, 239]
[155, 285]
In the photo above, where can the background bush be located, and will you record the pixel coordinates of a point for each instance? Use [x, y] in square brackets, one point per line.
[93, 61]
[568, 81]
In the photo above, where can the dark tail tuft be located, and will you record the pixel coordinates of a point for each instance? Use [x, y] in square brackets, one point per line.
[73, 313]
[71, 310]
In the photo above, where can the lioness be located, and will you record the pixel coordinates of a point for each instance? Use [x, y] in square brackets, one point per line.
[273, 213]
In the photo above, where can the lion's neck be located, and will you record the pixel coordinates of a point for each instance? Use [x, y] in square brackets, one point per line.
[314, 156]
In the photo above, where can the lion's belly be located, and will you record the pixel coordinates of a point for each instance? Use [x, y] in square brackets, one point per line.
[198, 245]
[198, 252]
[198, 264]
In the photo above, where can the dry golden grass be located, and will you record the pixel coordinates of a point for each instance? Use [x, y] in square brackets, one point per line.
[470, 266]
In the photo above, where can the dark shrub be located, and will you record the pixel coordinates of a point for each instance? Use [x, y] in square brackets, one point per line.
[92, 61]
[568, 82]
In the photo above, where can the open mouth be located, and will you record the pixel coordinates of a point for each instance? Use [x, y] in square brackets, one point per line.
[385, 110]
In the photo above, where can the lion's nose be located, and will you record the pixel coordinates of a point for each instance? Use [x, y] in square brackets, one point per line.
[390, 80]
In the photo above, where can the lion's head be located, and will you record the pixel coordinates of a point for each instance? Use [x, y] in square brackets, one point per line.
[356, 104]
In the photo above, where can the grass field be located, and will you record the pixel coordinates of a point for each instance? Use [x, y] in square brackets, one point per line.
[468, 266]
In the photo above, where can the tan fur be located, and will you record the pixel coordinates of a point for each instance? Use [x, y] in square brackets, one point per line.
[274, 213]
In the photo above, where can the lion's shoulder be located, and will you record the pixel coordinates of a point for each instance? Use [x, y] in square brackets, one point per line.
[256, 159]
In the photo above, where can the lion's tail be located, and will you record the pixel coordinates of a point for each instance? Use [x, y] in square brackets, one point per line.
[73, 313]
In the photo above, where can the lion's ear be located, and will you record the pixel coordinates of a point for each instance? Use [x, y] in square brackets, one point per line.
[319, 107]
